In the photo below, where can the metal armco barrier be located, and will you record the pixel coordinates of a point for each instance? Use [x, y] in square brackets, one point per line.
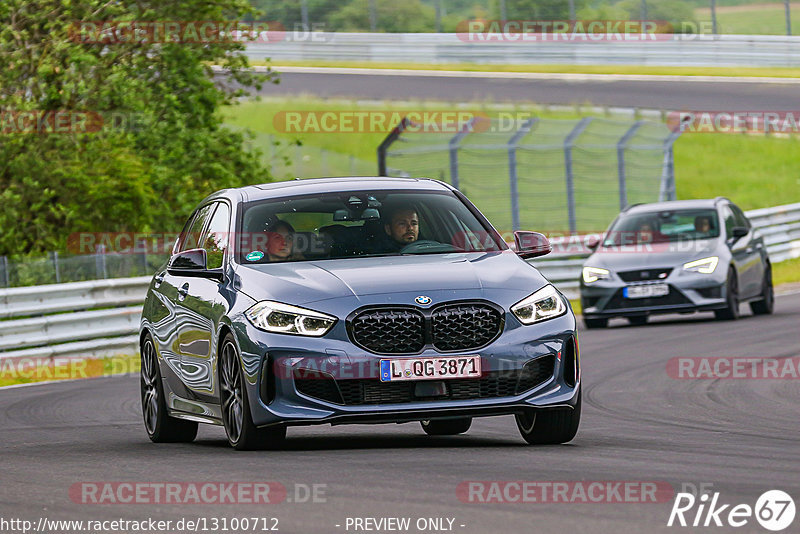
[36, 327]
[705, 50]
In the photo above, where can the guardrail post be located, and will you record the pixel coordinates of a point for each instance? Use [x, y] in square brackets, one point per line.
[568, 144]
[387, 142]
[667, 191]
[455, 141]
[623, 142]
[6, 274]
[55, 266]
[513, 143]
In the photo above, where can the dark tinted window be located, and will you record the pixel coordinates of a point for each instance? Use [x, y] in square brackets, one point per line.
[192, 238]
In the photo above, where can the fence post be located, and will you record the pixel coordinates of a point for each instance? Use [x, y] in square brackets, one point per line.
[6, 274]
[387, 142]
[714, 17]
[568, 144]
[373, 16]
[304, 16]
[55, 266]
[100, 261]
[513, 143]
[668, 169]
[788, 9]
[453, 144]
[623, 142]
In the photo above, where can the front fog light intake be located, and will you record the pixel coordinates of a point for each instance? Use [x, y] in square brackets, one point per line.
[281, 318]
[593, 274]
[545, 304]
[704, 266]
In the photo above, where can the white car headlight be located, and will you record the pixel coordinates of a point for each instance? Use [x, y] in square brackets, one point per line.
[593, 274]
[287, 319]
[705, 266]
[545, 304]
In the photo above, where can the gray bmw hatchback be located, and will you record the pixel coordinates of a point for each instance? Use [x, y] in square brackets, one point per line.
[678, 256]
[353, 300]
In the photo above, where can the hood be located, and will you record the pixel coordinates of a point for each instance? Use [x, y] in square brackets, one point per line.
[310, 281]
[653, 256]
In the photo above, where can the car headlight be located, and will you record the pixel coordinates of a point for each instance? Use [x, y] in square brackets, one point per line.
[593, 274]
[287, 319]
[705, 266]
[545, 304]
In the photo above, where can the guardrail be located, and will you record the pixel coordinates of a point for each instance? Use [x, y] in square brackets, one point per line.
[36, 327]
[682, 50]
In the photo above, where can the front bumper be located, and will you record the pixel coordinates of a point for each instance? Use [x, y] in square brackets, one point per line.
[688, 293]
[271, 361]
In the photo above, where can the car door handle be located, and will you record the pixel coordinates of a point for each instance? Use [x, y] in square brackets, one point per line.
[183, 291]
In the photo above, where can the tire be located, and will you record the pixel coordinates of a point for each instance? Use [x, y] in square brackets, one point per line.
[446, 427]
[239, 428]
[766, 305]
[731, 311]
[160, 427]
[638, 320]
[602, 322]
[549, 427]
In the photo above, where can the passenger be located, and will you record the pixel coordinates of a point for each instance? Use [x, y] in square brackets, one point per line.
[702, 224]
[280, 242]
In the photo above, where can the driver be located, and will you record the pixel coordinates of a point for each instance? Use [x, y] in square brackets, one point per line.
[402, 226]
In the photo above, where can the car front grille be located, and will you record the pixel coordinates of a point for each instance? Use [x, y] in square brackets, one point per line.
[449, 327]
[643, 275]
[673, 298]
[390, 331]
[368, 391]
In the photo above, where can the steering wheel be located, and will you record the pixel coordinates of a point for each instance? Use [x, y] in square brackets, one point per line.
[425, 245]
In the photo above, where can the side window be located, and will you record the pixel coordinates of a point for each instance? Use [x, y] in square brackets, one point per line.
[215, 240]
[739, 217]
[191, 238]
[730, 221]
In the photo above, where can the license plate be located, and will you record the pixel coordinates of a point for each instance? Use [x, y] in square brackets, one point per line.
[430, 368]
[646, 291]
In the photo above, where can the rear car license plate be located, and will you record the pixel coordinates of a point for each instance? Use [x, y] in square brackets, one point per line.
[430, 368]
[645, 291]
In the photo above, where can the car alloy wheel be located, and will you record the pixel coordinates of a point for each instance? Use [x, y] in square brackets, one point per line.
[160, 426]
[766, 305]
[231, 393]
[731, 311]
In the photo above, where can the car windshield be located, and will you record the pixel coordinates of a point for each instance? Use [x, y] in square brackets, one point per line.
[663, 227]
[357, 224]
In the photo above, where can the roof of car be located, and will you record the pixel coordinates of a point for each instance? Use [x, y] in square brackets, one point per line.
[337, 184]
[674, 205]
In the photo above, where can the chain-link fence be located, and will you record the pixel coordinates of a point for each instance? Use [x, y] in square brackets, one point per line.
[552, 175]
[55, 268]
[421, 16]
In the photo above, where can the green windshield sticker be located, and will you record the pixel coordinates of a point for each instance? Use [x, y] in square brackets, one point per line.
[254, 256]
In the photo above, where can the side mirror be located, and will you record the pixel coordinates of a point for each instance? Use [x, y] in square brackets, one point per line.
[531, 244]
[189, 260]
[592, 243]
[739, 232]
[193, 262]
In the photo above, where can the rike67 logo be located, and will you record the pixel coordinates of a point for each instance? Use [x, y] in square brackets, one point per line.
[774, 510]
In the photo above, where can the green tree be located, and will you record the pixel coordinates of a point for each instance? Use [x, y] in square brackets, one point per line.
[407, 16]
[118, 178]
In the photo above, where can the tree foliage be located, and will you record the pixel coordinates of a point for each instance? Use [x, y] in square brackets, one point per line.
[120, 178]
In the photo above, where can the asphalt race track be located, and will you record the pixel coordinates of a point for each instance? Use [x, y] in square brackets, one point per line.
[669, 95]
[638, 424]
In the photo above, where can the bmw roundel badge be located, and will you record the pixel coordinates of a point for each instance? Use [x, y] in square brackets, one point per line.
[423, 300]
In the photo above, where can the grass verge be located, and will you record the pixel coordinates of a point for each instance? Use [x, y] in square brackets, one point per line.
[29, 371]
[652, 70]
